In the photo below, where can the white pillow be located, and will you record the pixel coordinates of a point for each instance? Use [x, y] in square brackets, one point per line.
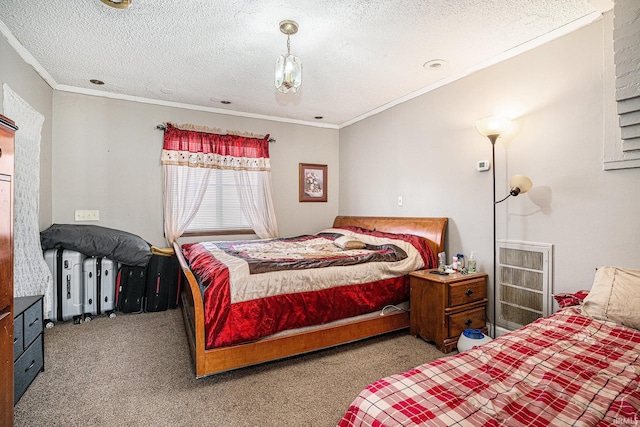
[615, 296]
[348, 242]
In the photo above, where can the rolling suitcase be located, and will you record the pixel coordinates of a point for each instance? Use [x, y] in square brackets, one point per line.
[130, 289]
[66, 268]
[99, 286]
[162, 283]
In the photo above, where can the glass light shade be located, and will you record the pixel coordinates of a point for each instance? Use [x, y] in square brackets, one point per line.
[521, 182]
[288, 73]
[494, 125]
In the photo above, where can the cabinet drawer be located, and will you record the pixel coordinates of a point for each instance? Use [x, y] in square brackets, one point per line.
[27, 367]
[467, 291]
[32, 322]
[458, 322]
[18, 343]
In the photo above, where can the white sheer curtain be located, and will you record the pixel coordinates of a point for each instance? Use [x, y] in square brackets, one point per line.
[31, 274]
[188, 156]
[180, 205]
[257, 207]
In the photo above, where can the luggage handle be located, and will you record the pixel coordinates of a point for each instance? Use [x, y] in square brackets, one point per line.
[59, 263]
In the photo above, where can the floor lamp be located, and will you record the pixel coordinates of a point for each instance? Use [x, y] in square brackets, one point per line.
[492, 128]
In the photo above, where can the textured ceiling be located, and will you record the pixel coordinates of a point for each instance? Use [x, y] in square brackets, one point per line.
[358, 56]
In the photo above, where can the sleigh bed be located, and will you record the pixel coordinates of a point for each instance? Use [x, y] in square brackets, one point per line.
[217, 347]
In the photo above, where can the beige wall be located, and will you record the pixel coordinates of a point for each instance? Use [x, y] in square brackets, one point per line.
[23, 80]
[107, 157]
[426, 150]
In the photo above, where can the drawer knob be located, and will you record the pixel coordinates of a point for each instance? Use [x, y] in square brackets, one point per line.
[33, 362]
[468, 322]
[468, 292]
[34, 322]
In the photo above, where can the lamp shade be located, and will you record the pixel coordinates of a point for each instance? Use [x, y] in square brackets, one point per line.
[520, 184]
[493, 126]
[288, 73]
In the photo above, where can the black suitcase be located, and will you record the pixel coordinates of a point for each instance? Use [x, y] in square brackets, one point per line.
[162, 283]
[131, 284]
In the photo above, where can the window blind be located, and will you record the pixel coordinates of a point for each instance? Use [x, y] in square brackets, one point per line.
[220, 209]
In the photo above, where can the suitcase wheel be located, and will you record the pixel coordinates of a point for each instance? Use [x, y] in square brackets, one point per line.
[88, 318]
[77, 320]
[112, 315]
[48, 324]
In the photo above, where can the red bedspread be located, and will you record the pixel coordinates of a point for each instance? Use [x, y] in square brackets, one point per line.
[563, 370]
[253, 289]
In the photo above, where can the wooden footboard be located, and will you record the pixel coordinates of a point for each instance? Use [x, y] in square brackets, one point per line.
[222, 359]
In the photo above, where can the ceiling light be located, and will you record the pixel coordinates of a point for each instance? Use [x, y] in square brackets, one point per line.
[118, 4]
[225, 102]
[288, 67]
[318, 117]
[434, 64]
[96, 82]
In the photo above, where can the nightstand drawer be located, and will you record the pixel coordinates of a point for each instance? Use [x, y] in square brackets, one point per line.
[474, 319]
[32, 322]
[26, 368]
[18, 343]
[467, 291]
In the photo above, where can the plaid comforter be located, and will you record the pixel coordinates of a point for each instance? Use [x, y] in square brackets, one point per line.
[563, 370]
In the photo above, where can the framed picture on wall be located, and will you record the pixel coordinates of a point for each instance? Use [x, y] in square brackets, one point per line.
[313, 183]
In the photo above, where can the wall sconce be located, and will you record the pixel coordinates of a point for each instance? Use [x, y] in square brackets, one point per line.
[492, 128]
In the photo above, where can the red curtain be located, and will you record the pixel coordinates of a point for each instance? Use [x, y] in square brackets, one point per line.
[210, 143]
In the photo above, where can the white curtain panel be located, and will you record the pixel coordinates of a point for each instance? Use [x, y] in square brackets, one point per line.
[257, 208]
[180, 205]
[31, 274]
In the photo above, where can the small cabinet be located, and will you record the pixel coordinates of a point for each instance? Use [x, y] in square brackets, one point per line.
[28, 348]
[442, 307]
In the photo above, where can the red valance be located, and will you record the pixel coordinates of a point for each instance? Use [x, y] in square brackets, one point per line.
[206, 143]
[212, 150]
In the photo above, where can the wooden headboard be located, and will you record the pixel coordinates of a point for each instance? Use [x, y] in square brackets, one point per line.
[432, 229]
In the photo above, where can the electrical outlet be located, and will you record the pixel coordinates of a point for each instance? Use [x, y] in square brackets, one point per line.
[87, 215]
[400, 201]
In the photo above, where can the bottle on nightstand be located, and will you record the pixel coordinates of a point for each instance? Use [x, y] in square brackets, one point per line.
[472, 263]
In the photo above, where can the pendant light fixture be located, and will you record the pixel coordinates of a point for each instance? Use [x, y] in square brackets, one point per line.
[288, 67]
[118, 4]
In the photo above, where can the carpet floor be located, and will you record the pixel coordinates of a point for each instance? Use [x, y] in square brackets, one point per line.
[136, 370]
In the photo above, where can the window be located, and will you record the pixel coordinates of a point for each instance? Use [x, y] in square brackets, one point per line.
[220, 209]
[215, 179]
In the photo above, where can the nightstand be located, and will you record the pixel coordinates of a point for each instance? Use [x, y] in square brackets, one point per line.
[444, 306]
[28, 347]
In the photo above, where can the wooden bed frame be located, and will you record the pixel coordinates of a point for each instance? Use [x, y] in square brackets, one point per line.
[222, 359]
